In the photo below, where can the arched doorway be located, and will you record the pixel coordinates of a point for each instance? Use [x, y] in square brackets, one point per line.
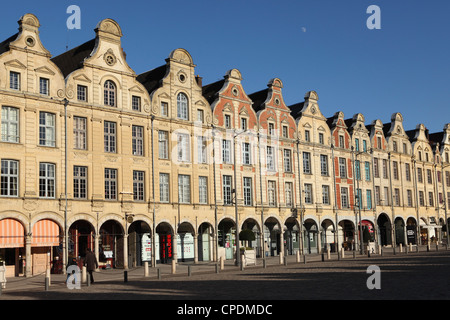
[164, 242]
[411, 231]
[139, 244]
[292, 236]
[227, 238]
[347, 235]
[205, 242]
[310, 236]
[251, 224]
[399, 231]
[111, 244]
[384, 228]
[272, 232]
[185, 242]
[328, 232]
[81, 238]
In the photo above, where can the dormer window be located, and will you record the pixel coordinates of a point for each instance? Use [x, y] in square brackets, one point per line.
[110, 94]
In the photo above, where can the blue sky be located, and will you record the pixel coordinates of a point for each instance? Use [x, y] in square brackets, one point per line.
[321, 45]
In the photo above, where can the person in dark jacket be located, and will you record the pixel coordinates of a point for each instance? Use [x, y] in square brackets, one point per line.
[91, 263]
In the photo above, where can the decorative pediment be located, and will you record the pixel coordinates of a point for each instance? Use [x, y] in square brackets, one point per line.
[164, 96]
[82, 78]
[136, 89]
[15, 64]
[307, 125]
[228, 107]
[45, 70]
[200, 103]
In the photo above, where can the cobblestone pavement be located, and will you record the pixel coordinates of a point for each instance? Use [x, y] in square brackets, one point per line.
[413, 276]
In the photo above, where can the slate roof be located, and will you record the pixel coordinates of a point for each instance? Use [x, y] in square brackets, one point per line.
[258, 99]
[4, 46]
[152, 79]
[211, 90]
[73, 59]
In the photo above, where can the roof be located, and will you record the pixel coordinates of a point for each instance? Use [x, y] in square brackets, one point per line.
[210, 90]
[4, 46]
[296, 109]
[151, 80]
[258, 99]
[73, 59]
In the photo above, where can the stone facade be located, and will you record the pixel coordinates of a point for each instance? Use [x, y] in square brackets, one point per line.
[95, 156]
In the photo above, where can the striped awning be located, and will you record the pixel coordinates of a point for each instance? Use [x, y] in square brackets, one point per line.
[12, 234]
[45, 234]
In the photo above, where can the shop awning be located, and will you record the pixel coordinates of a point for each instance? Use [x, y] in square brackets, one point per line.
[12, 234]
[45, 234]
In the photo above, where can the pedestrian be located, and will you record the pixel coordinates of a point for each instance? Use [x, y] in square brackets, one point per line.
[91, 263]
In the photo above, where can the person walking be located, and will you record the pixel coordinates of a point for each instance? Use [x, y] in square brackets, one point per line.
[91, 263]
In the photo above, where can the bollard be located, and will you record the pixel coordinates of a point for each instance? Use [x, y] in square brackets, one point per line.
[47, 283]
[189, 271]
[400, 248]
[125, 276]
[368, 251]
[437, 247]
[281, 258]
[47, 276]
[88, 281]
[323, 257]
[304, 258]
[217, 268]
[342, 253]
[264, 264]
[146, 269]
[285, 262]
[297, 258]
[159, 274]
[222, 263]
[328, 254]
[428, 247]
[174, 266]
[242, 262]
[410, 247]
[83, 275]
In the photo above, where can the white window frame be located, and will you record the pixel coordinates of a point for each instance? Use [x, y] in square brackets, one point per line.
[47, 181]
[9, 178]
[47, 129]
[10, 124]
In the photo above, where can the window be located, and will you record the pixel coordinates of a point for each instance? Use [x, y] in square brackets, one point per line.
[386, 196]
[357, 170]
[82, 93]
[46, 180]
[109, 93]
[419, 175]
[358, 199]
[308, 193]
[342, 168]
[79, 133]
[271, 158]
[110, 184]
[163, 144]
[356, 144]
[395, 169]
[164, 187]
[379, 144]
[137, 140]
[307, 162]
[183, 147]
[226, 151]
[47, 129]
[79, 182]
[202, 148]
[110, 136]
[272, 194]
[247, 191]
[285, 132]
[203, 190]
[325, 194]
[430, 198]
[341, 142]
[307, 136]
[324, 165]
[407, 172]
[246, 153]
[397, 197]
[364, 145]
[321, 139]
[10, 124]
[447, 178]
[227, 188]
[287, 158]
[184, 188]
[200, 115]
[369, 199]
[376, 169]
[271, 129]
[409, 195]
[136, 103]
[385, 169]
[182, 107]
[405, 148]
[227, 121]
[377, 195]
[367, 170]
[288, 194]
[138, 185]
[394, 146]
[9, 178]
[164, 109]
[14, 80]
[344, 197]
[429, 177]
[421, 199]
[244, 124]
[44, 86]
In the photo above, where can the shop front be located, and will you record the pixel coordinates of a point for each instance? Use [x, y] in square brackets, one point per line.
[12, 246]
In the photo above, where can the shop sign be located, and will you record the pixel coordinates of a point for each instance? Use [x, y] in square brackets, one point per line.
[146, 245]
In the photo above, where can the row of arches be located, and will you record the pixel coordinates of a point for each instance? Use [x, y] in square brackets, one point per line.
[120, 244]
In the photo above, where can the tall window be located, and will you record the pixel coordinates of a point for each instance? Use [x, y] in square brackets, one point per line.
[244, 124]
[226, 151]
[430, 198]
[110, 184]
[376, 170]
[377, 195]
[342, 168]
[184, 188]
[138, 140]
[272, 193]
[82, 93]
[287, 159]
[138, 185]
[163, 144]
[419, 175]
[421, 199]
[79, 182]
[9, 178]
[344, 197]
[410, 200]
[397, 197]
[10, 124]
[164, 187]
[109, 93]
[47, 129]
[385, 169]
[357, 170]
[288, 194]
[203, 190]
[367, 170]
[407, 172]
[308, 193]
[324, 165]
[270, 158]
[202, 148]
[79, 133]
[110, 136]
[369, 199]
[44, 86]
[164, 109]
[395, 170]
[46, 180]
[227, 121]
[246, 153]
[182, 107]
[306, 162]
[136, 103]
[183, 147]
[14, 80]
[325, 194]
[227, 195]
[247, 191]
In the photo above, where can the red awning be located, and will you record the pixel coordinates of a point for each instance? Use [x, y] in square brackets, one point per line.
[12, 234]
[45, 234]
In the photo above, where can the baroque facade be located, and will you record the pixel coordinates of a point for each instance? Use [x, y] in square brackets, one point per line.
[95, 156]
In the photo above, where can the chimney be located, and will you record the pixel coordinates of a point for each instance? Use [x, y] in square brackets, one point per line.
[124, 54]
[199, 81]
